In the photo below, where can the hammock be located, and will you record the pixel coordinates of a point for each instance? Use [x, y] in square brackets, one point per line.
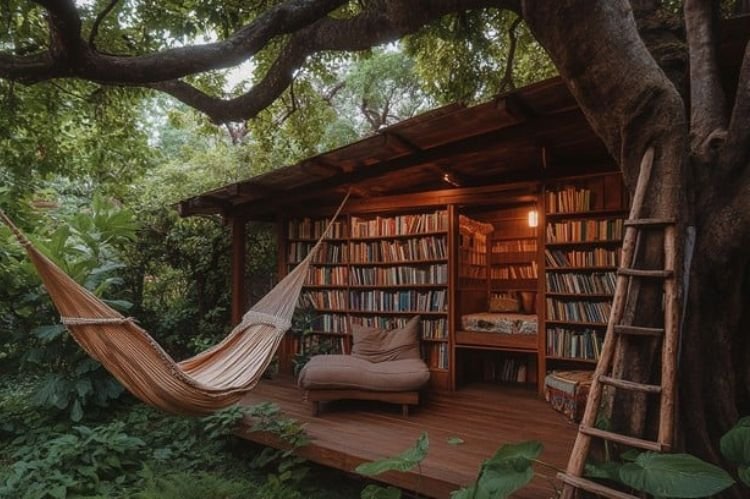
[214, 379]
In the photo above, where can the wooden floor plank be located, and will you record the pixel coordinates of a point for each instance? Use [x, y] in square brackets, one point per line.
[349, 432]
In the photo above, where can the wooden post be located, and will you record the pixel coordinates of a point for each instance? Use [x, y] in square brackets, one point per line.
[239, 293]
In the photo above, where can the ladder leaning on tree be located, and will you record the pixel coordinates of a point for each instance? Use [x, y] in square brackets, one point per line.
[616, 331]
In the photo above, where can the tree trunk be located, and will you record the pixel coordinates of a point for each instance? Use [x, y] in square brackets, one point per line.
[632, 104]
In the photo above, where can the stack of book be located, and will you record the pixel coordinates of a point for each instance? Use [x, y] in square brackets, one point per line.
[400, 225]
[598, 283]
[568, 200]
[596, 257]
[578, 311]
[584, 230]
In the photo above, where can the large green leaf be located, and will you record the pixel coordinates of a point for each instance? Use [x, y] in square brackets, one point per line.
[735, 444]
[674, 475]
[505, 473]
[403, 462]
[607, 471]
[744, 474]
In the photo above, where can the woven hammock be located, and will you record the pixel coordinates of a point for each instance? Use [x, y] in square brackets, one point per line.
[214, 379]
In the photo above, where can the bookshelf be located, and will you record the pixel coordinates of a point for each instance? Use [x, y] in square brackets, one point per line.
[498, 272]
[379, 271]
[583, 233]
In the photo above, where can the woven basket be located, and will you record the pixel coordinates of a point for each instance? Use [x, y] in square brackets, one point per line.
[504, 304]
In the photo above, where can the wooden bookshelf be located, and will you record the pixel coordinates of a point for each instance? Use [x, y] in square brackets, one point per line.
[509, 260]
[378, 271]
[583, 233]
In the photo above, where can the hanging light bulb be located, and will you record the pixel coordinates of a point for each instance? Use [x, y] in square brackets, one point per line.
[533, 218]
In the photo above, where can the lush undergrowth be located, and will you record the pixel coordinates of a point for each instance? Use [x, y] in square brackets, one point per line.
[134, 451]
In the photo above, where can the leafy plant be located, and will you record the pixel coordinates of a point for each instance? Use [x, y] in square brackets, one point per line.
[193, 486]
[86, 461]
[510, 469]
[679, 475]
[735, 446]
[407, 460]
[85, 244]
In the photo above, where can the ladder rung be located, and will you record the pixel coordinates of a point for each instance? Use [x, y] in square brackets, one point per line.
[649, 222]
[622, 439]
[639, 330]
[629, 385]
[660, 274]
[593, 487]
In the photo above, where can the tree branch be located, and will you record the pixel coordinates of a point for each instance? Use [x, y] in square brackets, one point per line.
[99, 18]
[506, 83]
[170, 64]
[708, 115]
[367, 29]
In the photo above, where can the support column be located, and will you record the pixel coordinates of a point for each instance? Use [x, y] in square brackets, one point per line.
[239, 293]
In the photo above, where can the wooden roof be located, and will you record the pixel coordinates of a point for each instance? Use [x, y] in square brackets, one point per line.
[534, 132]
[511, 138]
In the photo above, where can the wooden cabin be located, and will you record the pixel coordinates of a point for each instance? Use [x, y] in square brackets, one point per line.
[499, 224]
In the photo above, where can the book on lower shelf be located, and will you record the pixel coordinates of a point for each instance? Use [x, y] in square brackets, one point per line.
[514, 271]
[436, 355]
[419, 248]
[574, 344]
[331, 323]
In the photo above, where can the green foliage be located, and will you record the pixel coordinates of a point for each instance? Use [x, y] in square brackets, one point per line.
[735, 447]
[455, 441]
[405, 461]
[510, 469]
[194, 486]
[373, 491]
[85, 241]
[674, 475]
[85, 461]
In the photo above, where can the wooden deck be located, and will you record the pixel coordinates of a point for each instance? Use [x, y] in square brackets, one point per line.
[485, 417]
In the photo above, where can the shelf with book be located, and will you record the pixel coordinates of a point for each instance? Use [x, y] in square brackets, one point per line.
[378, 271]
[584, 226]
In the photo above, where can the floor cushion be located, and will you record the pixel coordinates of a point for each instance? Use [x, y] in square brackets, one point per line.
[342, 372]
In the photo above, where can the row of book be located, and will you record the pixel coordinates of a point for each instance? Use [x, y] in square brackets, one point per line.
[568, 200]
[431, 328]
[399, 225]
[308, 228]
[399, 301]
[425, 248]
[584, 230]
[584, 344]
[331, 323]
[598, 283]
[401, 275]
[436, 355]
[327, 276]
[515, 271]
[578, 311]
[597, 257]
[328, 299]
[472, 257]
[327, 252]
[514, 246]
[473, 272]
[507, 369]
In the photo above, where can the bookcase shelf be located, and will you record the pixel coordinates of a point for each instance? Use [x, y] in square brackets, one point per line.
[406, 268]
[580, 274]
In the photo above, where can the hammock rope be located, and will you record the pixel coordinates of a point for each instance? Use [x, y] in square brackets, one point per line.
[211, 380]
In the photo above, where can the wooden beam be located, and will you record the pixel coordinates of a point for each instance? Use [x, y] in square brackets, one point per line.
[516, 107]
[442, 152]
[239, 293]
[400, 141]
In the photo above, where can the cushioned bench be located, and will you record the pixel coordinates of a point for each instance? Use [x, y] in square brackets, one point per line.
[384, 365]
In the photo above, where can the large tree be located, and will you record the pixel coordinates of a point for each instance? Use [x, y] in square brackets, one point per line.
[638, 82]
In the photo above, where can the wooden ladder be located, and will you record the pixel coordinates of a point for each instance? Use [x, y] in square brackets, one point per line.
[573, 477]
